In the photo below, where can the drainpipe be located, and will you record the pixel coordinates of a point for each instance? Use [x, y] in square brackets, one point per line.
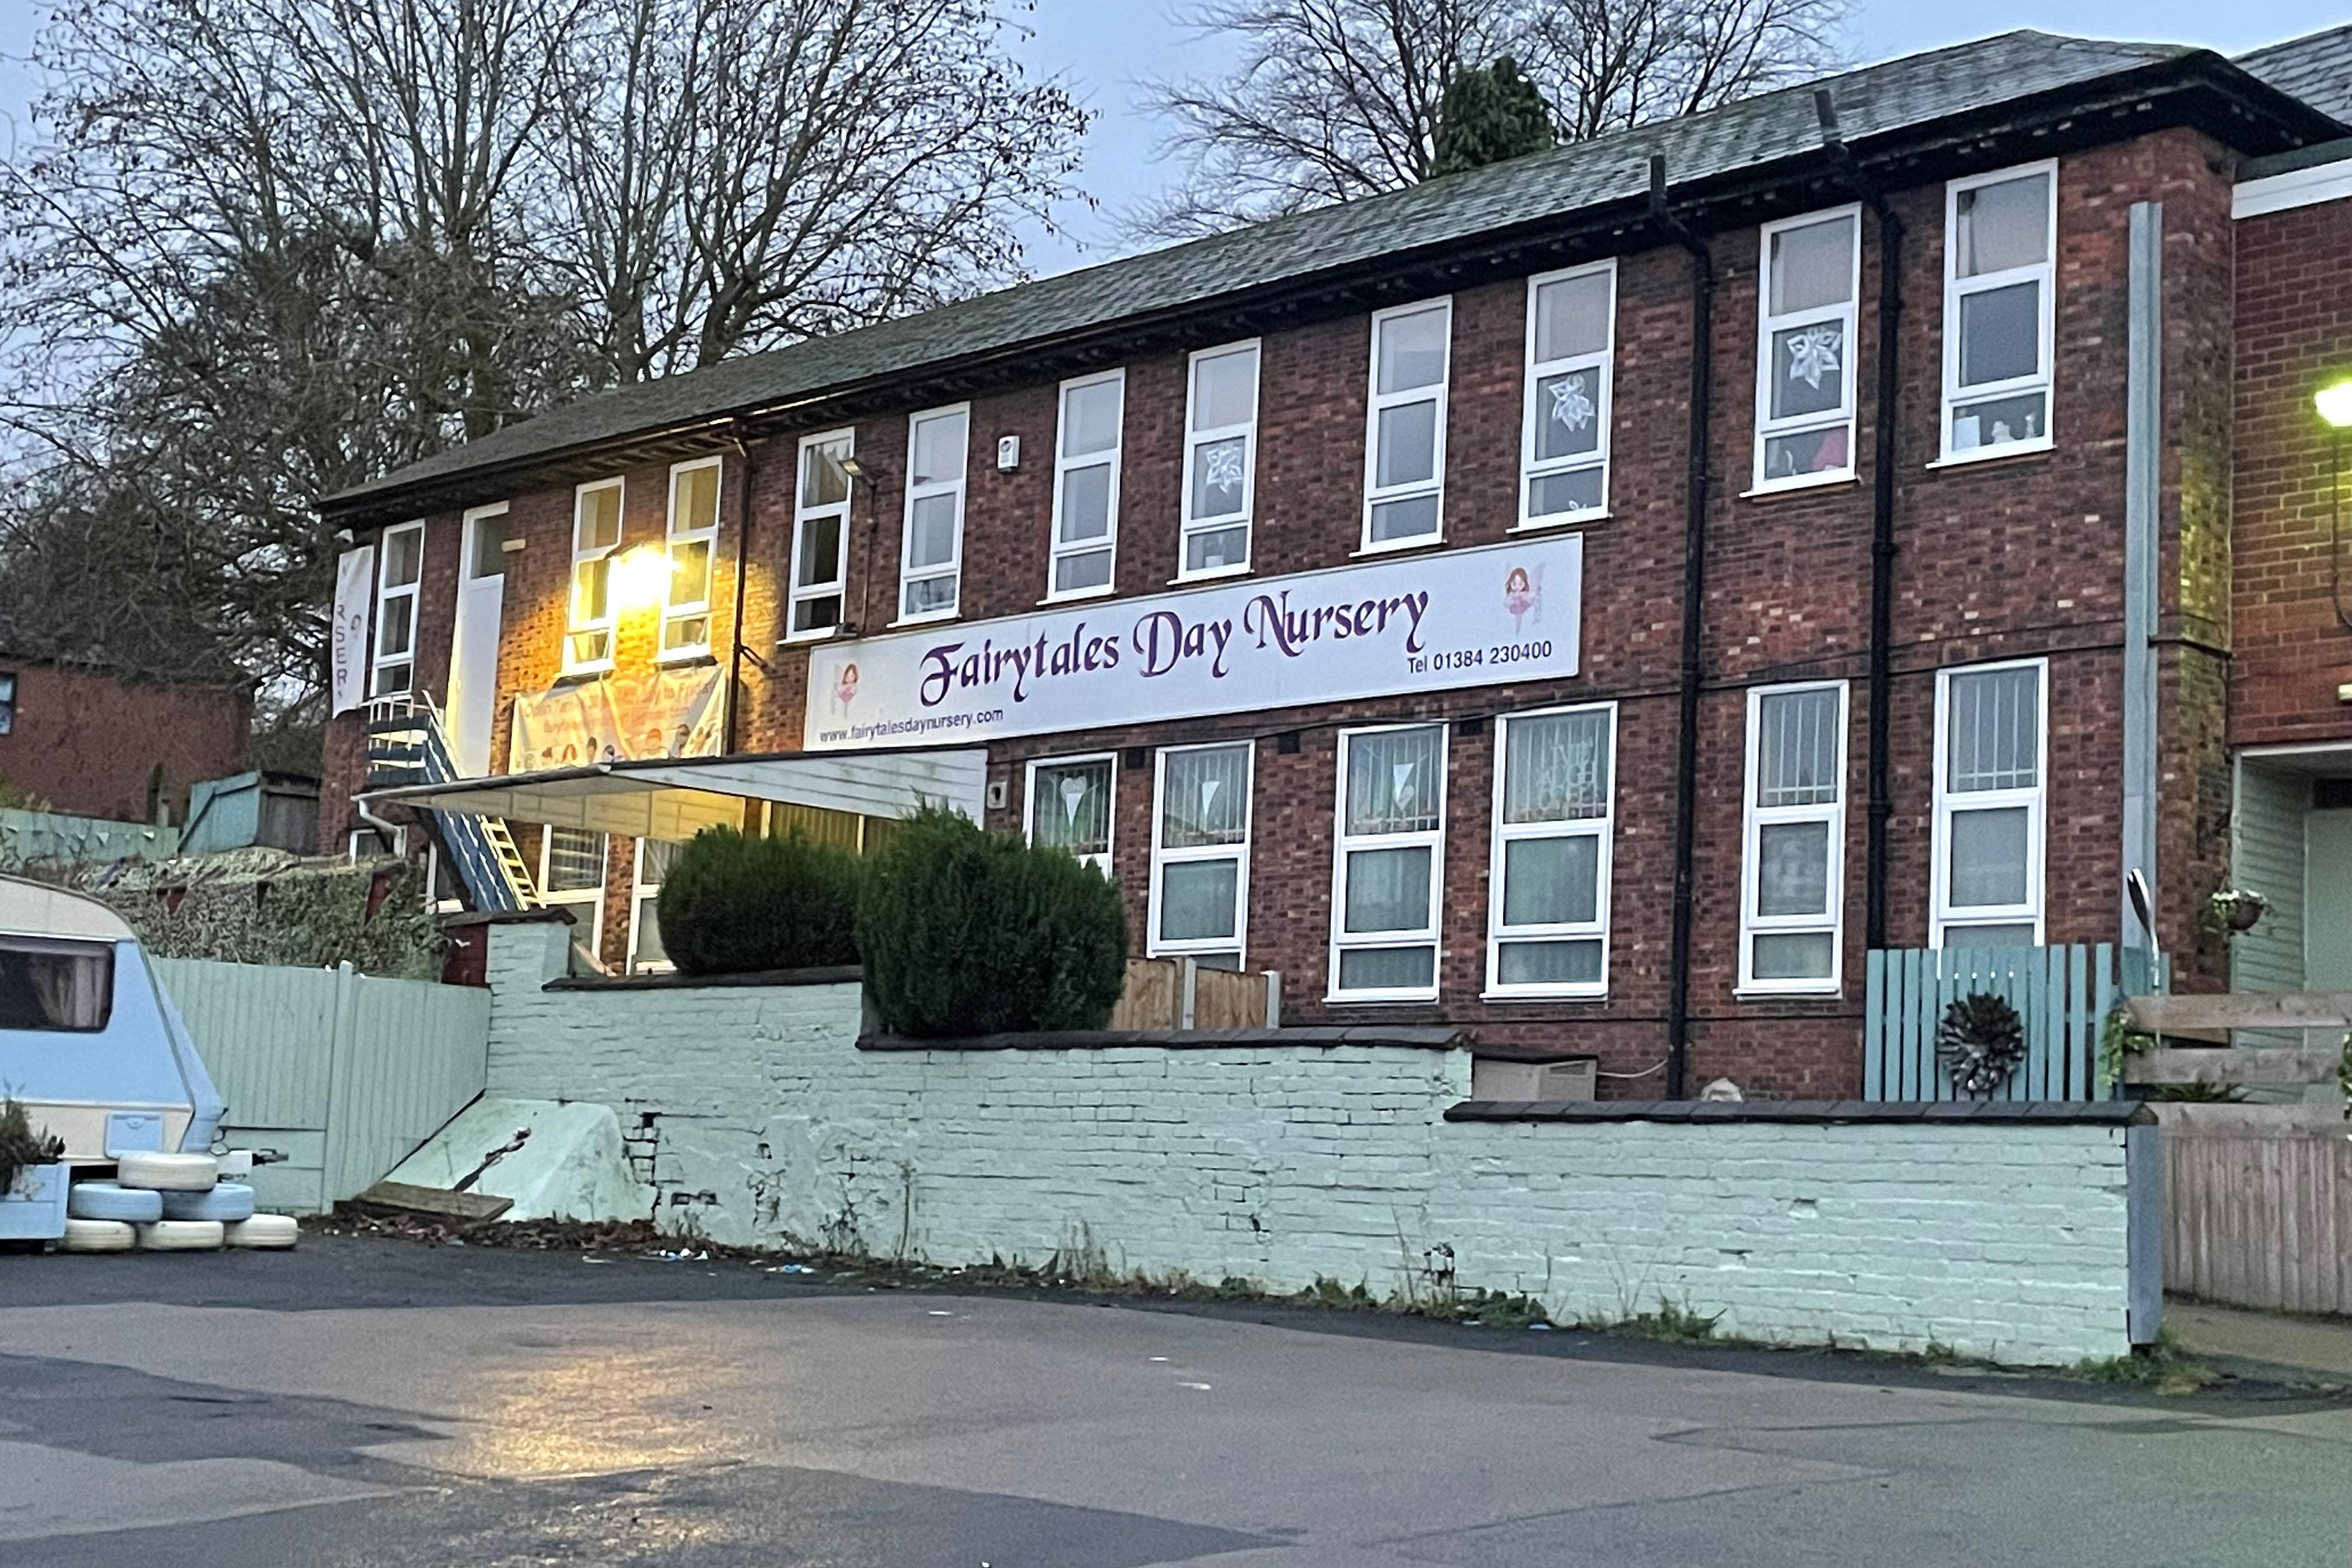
[1881, 519]
[2143, 436]
[1694, 497]
[735, 632]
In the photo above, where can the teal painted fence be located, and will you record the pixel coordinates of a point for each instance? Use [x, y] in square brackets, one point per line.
[2062, 993]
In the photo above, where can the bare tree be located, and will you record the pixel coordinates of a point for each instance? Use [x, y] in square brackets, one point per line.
[1333, 99]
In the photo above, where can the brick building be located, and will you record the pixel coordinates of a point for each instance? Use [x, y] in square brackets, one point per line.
[1594, 600]
[93, 743]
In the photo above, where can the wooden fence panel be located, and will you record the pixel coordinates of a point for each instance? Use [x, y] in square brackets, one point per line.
[2258, 1204]
[2062, 995]
[1222, 998]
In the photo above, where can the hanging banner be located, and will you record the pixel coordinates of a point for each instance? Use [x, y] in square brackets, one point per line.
[347, 649]
[1426, 622]
[635, 717]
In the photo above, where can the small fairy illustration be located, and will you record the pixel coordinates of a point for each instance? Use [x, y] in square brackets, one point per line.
[1520, 596]
[844, 690]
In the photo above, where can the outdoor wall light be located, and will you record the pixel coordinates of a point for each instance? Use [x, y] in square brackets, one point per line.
[2335, 404]
[639, 573]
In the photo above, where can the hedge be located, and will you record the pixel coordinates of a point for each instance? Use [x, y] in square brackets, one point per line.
[733, 903]
[969, 933]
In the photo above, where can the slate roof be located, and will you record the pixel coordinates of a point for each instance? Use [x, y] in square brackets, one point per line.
[1903, 95]
[2316, 67]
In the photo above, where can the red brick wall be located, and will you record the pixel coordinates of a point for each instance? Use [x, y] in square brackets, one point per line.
[2011, 558]
[89, 743]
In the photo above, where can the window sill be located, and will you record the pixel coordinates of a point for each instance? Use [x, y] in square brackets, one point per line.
[583, 672]
[1823, 992]
[1398, 547]
[1518, 994]
[1214, 574]
[1554, 525]
[678, 658]
[1378, 998]
[1804, 485]
[1078, 595]
[931, 618]
[2001, 453]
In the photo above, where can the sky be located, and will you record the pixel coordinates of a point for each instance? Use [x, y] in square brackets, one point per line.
[1102, 45]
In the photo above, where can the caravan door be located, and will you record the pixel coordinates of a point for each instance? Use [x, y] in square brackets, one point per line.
[473, 647]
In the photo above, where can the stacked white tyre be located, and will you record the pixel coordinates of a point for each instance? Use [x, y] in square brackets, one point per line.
[274, 1232]
[162, 1172]
[181, 1236]
[98, 1236]
[169, 1202]
[113, 1202]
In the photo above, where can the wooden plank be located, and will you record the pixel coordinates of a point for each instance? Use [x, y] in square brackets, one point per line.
[404, 1197]
[1228, 999]
[2167, 1014]
[2249, 1064]
[1919, 1019]
[1874, 1025]
[1152, 996]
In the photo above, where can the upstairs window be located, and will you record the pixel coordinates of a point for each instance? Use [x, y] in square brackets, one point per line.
[1405, 458]
[1389, 883]
[693, 534]
[1564, 448]
[1991, 805]
[1069, 807]
[1199, 853]
[820, 535]
[1548, 919]
[1812, 271]
[2000, 235]
[1793, 861]
[1220, 461]
[1086, 486]
[596, 535]
[395, 611]
[931, 553]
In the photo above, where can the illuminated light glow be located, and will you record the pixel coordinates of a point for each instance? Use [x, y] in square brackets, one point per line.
[639, 574]
[2336, 403]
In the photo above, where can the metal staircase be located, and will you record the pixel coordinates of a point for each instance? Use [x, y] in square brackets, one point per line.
[406, 746]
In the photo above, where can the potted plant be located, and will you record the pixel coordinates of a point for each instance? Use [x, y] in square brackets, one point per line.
[2237, 909]
[32, 1178]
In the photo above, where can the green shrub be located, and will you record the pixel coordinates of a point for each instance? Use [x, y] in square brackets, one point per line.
[969, 932]
[733, 903]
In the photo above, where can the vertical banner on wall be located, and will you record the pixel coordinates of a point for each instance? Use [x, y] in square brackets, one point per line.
[348, 645]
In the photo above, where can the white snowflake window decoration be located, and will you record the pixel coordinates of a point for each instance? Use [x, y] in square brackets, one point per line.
[1223, 469]
[1570, 404]
[1813, 353]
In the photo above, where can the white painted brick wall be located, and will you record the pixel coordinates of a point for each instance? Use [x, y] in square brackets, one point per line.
[1282, 1166]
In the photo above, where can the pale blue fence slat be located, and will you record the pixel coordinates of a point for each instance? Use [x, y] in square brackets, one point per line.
[1873, 1027]
[2062, 993]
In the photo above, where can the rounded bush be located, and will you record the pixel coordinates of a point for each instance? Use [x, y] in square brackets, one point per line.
[733, 903]
[969, 933]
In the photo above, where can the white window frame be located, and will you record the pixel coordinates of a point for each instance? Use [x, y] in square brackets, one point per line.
[1342, 842]
[1956, 288]
[573, 623]
[385, 594]
[1604, 828]
[1196, 437]
[639, 892]
[1848, 317]
[1163, 857]
[1942, 916]
[673, 536]
[1102, 861]
[1755, 818]
[960, 489]
[1057, 550]
[806, 519]
[594, 898]
[8, 702]
[1530, 468]
[1378, 401]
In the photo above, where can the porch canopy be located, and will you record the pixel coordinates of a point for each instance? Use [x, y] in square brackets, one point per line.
[675, 797]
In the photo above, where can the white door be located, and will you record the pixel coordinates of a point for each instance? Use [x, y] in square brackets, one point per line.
[473, 647]
[2327, 901]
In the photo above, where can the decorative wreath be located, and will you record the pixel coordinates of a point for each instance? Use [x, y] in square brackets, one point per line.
[1980, 1042]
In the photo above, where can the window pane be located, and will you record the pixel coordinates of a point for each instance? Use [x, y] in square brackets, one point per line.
[588, 583]
[1387, 968]
[1792, 868]
[1407, 446]
[1069, 807]
[823, 482]
[1555, 767]
[1813, 266]
[1988, 858]
[1568, 414]
[390, 679]
[404, 556]
[1808, 369]
[933, 536]
[689, 573]
[1090, 419]
[694, 500]
[1086, 503]
[1393, 781]
[686, 631]
[490, 556]
[1548, 963]
[2002, 226]
[598, 526]
[1997, 420]
[1219, 471]
[1810, 452]
[939, 450]
[1225, 390]
[809, 614]
[820, 558]
[1225, 547]
[1204, 797]
[46, 985]
[1790, 955]
[590, 647]
[1993, 730]
[1388, 889]
[575, 859]
[1073, 574]
[2013, 934]
[1797, 748]
[648, 948]
[1196, 899]
[1412, 350]
[397, 630]
[1551, 881]
[1549, 495]
[1572, 317]
[1415, 518]
[931, 593]
[2000, 333]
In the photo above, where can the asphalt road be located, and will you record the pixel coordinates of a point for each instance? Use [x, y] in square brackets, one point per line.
[369, 1403]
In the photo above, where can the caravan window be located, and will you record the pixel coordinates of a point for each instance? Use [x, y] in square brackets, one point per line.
[47, 985]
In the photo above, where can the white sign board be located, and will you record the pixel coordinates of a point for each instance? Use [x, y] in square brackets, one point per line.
[1426, 621]
[347, 649]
